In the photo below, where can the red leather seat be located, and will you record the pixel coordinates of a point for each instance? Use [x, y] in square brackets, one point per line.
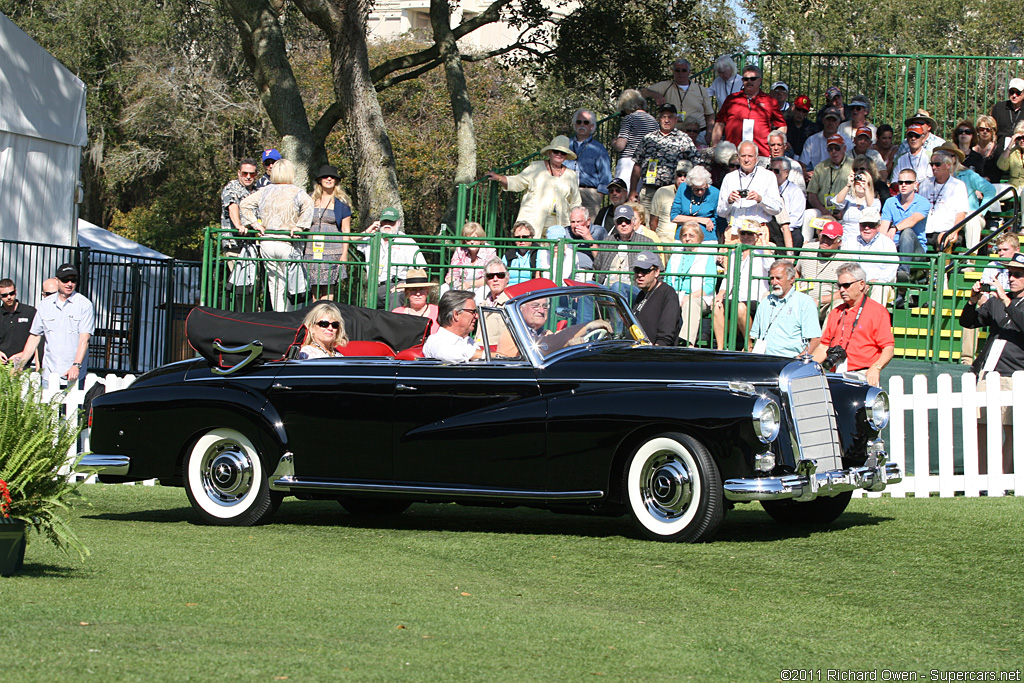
[367, 348]
[411, 353]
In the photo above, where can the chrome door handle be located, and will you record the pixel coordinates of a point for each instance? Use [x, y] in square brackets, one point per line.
[404, 387]
[278, 385]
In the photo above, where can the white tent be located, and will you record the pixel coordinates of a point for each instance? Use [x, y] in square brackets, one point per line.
[42, 133]
[95, 237]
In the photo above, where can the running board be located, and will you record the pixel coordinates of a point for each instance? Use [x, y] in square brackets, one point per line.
[291, 483]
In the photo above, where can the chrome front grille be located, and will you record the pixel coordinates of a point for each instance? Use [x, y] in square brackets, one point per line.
[813, 418]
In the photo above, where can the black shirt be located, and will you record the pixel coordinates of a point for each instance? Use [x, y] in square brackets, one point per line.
[659, 314]
[14, 327]
[1003, 322]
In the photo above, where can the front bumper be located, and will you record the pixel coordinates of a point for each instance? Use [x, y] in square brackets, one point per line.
[807, 484]
[96, 463]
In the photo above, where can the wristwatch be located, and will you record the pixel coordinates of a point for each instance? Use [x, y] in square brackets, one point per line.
[77, 365]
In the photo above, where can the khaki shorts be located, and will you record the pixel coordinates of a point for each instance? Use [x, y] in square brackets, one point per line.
[1005, 384]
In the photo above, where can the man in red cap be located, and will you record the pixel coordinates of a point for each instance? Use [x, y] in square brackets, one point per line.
[749, 114]
[830, 176]
[798, 126]
[917, 158]
[815, 147]
[820, 270]
[862, 147]
[929, 140]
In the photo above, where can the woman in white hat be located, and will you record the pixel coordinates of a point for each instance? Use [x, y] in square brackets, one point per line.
[417, 288]
[549, 189]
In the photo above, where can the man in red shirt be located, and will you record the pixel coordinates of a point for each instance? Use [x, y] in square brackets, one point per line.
[860, 325]
[749, 114]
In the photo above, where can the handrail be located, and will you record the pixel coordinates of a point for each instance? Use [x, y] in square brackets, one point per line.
[996, 233]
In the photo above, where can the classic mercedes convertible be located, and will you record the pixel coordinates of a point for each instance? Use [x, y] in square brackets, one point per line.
[571, 409]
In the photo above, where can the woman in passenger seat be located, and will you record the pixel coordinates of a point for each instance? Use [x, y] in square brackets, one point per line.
[325, 331]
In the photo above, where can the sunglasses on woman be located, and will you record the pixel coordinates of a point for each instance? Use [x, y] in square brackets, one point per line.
[328, 323]
[964, 131]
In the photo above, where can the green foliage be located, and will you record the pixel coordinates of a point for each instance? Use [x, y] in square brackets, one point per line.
[607, 45]
[34, 443]
[909, 27]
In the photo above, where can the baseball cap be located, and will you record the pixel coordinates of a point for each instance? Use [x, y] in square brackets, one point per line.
[835, 139]
[870, 215]
[860, 101]
[827, 227]
[646, 260]
[1016, 84]
[618, 182]
[555, 232]
[802, 102]
[833, 112]
[271, 155]
[623, 211]
[915, 128]
[390, 214]
[668, 106]
[832, 92]
[863, 130]
[780, 84]
[66, 270]
[749, 226]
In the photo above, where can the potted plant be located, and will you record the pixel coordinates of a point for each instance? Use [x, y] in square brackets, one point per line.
[35, 439]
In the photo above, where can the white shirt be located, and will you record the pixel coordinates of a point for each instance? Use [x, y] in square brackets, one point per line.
[851, 216]
[947, 200]
[447, 346]
[796, 204]
[846, 128]
[760, 181]
[918, 164]
[816, 149]
[883, 268]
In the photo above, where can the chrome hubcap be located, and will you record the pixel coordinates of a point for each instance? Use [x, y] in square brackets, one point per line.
[666, 486]
[226, 473]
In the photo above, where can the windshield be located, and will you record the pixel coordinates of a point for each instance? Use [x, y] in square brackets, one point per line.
[555, 322]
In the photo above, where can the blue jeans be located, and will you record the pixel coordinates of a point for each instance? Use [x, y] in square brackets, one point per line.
[908, 244]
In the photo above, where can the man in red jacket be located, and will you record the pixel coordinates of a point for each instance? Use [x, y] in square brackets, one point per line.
[749, 114]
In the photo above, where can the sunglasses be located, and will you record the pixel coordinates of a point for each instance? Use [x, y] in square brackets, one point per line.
[985, 128]
[964, 131]
[834, 148]
[1014, 273]
[847, 285]
[496, 276]
[777, 171]
[9, 294]
[905, 182]
[45, 293]
[748, 79]
[69, 278]
[829, 240]
[734, 166]
[681, 71]
[643, 271]
[913, 136]
[582, 122]
[680, 174]
[1014, 91]
[328, 323]
[933, 164]
[471, 311]
[247, 174]
[623, 221]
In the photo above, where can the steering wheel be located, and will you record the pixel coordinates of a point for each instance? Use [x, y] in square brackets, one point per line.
[595, 330]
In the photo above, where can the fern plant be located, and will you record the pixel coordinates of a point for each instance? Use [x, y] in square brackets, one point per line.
[34, 442]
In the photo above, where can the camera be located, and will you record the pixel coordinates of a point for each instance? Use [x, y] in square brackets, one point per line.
[858, 178]
[742, 193]
[834, 357]
[985, 287]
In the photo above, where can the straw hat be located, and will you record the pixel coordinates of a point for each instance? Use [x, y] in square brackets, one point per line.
[922, 116]
[559, 143]
[948, 146]
[415, 277]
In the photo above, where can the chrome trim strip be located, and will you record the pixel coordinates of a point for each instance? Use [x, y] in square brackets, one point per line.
[103, 464]
[295, 483]
[804, 487]
[285, 469]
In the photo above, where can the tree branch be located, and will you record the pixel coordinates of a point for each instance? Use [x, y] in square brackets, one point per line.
[326, 123]
[407, 76]
[383, 69]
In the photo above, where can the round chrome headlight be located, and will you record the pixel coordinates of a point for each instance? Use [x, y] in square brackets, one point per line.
[876, 406]
[767, 418]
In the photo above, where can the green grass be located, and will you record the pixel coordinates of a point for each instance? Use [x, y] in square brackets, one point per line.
[446, 592]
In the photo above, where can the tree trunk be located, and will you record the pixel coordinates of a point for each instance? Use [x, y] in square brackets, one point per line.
[458, 92]
[263, 45]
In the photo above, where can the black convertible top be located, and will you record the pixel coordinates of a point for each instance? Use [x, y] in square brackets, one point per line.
[279, 331]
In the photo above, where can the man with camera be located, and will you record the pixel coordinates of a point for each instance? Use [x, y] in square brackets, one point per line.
[751, 191]
[858, 333]
[829, 177]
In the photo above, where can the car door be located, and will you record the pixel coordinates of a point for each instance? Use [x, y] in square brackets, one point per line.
[476, 424]
[337, 413]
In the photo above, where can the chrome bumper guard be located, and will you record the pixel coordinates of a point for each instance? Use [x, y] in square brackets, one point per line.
[807, 484]
[95, 463]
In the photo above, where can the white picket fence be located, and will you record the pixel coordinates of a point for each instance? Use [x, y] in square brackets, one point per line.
[912, 416]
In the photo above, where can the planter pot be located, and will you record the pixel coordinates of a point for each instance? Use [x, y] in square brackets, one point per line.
[12, 546]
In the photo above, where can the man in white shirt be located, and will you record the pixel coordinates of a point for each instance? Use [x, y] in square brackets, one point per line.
[751, 191]
[929, 140]
[947, 196]
[880, 269]
[752, 274]
[859, 107]
[457, 313]
[816, 146]
[916, 158]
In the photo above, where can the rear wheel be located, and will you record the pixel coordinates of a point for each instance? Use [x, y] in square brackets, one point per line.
[373, 507]
[820, 511]
[674, 489]
[225, 480]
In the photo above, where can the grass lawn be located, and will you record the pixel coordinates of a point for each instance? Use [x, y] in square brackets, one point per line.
[446, 592]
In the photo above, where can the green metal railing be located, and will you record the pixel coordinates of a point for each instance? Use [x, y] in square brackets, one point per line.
[926, 329]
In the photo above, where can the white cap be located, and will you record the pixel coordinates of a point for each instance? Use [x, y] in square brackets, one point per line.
[780, 84]
[1016, 84]
[870, 215]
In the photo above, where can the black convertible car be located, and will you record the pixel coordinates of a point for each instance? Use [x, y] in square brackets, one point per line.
[570, 409]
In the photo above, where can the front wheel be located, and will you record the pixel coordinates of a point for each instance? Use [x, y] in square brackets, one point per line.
[820, 511]
[674, 489]
[225, 480]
